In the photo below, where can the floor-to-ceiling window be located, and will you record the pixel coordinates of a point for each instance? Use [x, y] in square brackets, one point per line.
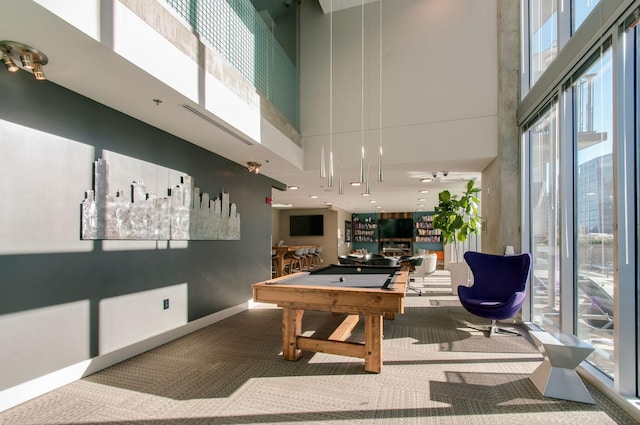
[543, 36]
[632, 137]
[627, 290]
[580, 9]
[542, 136]
[581, 156]
[594, 208]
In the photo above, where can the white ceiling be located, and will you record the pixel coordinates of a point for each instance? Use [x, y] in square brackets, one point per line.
[86, 66]
[336, 5]
[399, 192]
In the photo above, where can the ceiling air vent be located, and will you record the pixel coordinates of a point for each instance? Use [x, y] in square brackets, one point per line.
[217, 124]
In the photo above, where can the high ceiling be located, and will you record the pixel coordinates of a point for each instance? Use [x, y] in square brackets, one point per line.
[106, 77]
[335, 5]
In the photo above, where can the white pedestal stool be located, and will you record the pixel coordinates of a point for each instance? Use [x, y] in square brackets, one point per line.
[556, 377]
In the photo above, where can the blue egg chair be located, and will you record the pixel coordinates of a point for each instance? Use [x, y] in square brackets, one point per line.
[499, 286]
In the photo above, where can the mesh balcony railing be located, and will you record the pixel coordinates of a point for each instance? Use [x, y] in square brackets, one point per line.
[235, 29]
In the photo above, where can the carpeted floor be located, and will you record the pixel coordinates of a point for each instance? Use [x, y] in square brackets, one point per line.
[437, 370]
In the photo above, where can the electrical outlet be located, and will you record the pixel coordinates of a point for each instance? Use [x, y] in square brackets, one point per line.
[165, 304]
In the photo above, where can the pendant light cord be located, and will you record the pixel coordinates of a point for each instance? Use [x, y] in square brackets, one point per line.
[380, 171]
[362, 170]
[330, 180]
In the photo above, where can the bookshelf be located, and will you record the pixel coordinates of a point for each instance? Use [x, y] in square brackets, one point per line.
[365, 228]
[425, 231]
[426, 237]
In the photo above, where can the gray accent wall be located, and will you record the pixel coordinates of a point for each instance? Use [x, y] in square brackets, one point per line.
[52, 283]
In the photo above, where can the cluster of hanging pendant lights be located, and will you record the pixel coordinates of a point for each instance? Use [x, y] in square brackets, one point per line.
[364, 168]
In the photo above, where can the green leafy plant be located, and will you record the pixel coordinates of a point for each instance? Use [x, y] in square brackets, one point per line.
[457, 217]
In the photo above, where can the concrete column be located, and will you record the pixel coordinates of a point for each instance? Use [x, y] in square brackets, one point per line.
[501, 179]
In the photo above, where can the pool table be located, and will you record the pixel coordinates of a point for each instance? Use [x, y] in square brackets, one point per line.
[373, 292]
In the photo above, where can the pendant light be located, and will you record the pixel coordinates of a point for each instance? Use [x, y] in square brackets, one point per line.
[367, 190]
[363, 177]
[330, 180]
[380, 168]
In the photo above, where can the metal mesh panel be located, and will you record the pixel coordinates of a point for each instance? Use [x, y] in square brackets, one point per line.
[234, 28]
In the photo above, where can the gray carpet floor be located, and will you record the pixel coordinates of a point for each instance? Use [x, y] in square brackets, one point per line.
[437, 370]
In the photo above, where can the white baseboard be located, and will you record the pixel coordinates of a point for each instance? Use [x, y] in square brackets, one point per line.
[21, 393]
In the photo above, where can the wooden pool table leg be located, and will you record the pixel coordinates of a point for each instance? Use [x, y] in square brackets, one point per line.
[291, 328]
[373, 343]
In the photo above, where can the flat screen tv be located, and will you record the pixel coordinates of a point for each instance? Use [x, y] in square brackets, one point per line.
[306, 225]
[395, 228]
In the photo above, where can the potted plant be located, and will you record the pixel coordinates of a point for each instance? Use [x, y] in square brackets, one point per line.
[457, 218]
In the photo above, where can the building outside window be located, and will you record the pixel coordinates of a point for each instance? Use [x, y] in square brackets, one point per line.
[543, 36]
[580, 131]
[594, 209]
[545, 221]
[580, 9]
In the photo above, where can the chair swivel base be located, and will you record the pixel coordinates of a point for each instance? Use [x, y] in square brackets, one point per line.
[414, 289]
[493, 329]
[497, 330]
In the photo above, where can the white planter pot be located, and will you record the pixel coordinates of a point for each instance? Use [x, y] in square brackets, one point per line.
[460, 275]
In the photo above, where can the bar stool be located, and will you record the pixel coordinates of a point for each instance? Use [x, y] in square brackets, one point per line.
[286, 263]
[318, 256]
[296, 260]
[274, 264]
[305, 259]
[311, 257]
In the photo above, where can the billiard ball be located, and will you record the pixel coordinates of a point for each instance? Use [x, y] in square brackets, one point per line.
[341, 279]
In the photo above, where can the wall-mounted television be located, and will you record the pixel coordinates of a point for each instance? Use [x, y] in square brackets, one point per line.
[306, 225]
[395, 228]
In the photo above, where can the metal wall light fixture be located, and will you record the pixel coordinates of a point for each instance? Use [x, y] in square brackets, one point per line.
[31, 59]
[253, 167]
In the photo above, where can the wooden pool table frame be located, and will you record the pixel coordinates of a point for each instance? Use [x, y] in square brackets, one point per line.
[372, 303]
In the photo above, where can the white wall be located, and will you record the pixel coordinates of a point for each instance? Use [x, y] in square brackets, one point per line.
[439, 84]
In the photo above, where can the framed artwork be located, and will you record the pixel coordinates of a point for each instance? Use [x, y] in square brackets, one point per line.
[347, 231]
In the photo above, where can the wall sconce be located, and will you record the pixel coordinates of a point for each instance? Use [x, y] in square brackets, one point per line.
[31, 59]
[253, 167]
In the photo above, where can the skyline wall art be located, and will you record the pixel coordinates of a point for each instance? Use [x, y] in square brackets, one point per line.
[138, 213]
